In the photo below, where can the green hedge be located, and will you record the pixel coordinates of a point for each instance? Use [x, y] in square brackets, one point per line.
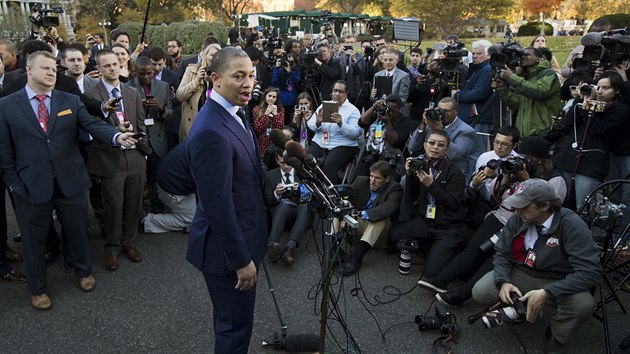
[533, 28]
[191, 34]
[618, 20]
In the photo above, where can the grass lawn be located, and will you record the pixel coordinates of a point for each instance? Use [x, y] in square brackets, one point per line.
[559, 46]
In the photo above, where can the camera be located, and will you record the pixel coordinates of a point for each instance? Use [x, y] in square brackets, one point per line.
[420, 163]
[507, 166]
[515, 313]
[443, 321]
[45, 21]
[616, 45]
[592, 106]
[508, 52]
[454, 53]
[494, 164]
[256, 92]
[382, 110]
[586, 89]
[309, 58]
[435, 114]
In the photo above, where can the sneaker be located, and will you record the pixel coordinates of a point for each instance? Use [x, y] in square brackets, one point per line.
[431, 286]
[449, 298]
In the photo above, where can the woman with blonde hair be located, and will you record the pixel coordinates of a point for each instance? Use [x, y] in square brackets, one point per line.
[195, 88]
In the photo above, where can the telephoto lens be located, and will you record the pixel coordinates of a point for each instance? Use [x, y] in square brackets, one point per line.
[404, 266]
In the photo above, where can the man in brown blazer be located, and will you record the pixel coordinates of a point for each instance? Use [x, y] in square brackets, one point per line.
[122, 172]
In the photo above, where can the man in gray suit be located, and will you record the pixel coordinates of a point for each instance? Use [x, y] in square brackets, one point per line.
[400, 79]
[156, 99]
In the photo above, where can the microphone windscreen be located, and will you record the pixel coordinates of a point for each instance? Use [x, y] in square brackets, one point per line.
[302, 343]
[278, 138]
[495, 49]
[295, 163]
[591, 39]
[310, 161]
[294, 149]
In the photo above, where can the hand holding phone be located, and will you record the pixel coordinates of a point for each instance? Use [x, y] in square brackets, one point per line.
[139, 135]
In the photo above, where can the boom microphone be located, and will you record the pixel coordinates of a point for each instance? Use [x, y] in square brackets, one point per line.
[278, 138]
[592, 39]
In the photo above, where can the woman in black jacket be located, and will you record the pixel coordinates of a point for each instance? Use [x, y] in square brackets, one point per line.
[584, 154]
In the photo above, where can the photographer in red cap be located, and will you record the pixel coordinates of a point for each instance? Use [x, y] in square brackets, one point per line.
[545, 253]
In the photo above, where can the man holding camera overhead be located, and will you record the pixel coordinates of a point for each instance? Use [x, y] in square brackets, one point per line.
[461, 134]
[545, 253]
[534, 94]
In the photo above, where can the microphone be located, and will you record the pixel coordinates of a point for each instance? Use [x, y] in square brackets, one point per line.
[311, 164]
[301, 343]
[278, 138]
[294, 149]
[592, 39]
[495, 49]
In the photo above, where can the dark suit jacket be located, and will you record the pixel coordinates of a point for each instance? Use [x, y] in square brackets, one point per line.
[171, 78]
[95, 50]
[272, 178]
[325, 77]
[156, 132]
[400, 83]
[230, 225]
[103, 160]
[64, 83]
[32, 159]
[172, 125]
[386, 204]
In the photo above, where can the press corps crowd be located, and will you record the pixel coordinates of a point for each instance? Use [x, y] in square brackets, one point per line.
[436, 169]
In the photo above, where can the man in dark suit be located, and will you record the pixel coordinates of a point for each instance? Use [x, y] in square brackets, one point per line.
[400, 79]
[284, 197]
[122, 172]
[156, 99]
[162, 73]
[98, 45]
[43, 168]
[328, 71]
[377, 198]
[229, 232]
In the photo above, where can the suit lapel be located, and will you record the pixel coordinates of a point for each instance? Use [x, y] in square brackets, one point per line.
[28, 111]
[55, 107]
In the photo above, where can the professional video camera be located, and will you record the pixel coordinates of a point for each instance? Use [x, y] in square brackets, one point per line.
[507, 166]
[443, 321]
[256, 92]
[420, 163]
[603, 49]
[454, 53]
[308, 65]
[38, 17]
[516, 313]
[604, 215]
[508, 52]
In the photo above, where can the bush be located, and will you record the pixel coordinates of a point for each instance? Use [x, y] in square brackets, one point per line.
[533, 28]
[191, 34]
[618, 20]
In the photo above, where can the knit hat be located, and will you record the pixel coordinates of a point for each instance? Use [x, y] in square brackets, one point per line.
[534, 146]
[529, 191]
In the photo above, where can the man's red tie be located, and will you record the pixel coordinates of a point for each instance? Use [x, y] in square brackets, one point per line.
[42, 112]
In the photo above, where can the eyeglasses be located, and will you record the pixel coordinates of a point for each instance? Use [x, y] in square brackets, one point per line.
[439, 144]
[501, 144]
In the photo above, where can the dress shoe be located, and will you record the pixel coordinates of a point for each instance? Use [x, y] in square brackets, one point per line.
[41, 302]
[274, 250]
[87, 283]
[13, 277]
[288, 255]
[51, 256]
[17, 238]
[431, 285]
[132, 253]
[111, 263]
[11, 256]
[351, 266]
[450, 298]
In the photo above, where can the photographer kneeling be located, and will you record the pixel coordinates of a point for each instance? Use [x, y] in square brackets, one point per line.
[387, 133]
[545, 253]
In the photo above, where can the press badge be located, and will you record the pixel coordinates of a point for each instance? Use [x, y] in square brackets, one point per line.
[378, 132]
[325, 137]
[430, 212]
[121, 117]
[268, 131]
[530, 258]
[303, 135]
[149, 121]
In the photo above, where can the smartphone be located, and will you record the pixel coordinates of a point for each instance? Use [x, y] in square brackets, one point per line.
[303, 108]
[116, 100]
[149, 97]
[139, 135]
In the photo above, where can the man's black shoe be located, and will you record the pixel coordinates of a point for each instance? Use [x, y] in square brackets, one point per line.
[350, 267]
[450, 298]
